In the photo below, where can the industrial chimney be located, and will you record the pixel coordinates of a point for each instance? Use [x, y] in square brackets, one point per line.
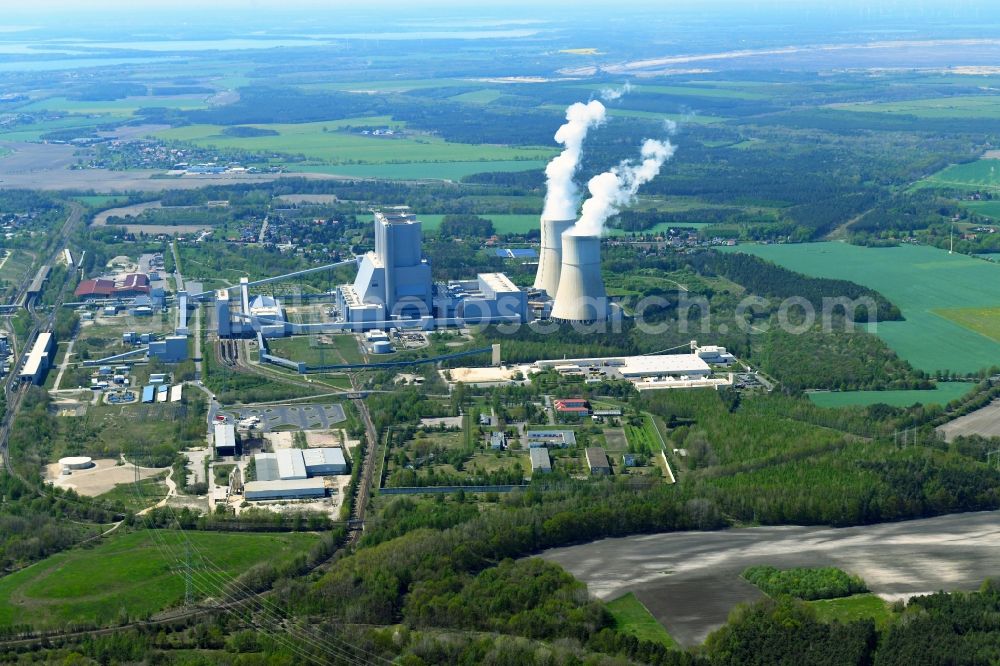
[581, 295]
[550, 257]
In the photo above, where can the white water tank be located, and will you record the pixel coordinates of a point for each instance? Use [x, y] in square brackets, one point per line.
[550, 256]
[75, 462]
[581, 295]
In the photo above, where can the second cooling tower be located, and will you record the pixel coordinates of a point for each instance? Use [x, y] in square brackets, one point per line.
[550, 257]
[581, 295]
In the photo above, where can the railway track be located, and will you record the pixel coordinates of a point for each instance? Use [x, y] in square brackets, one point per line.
[13, 389]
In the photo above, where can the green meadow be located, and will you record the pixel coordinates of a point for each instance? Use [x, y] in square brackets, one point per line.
[135, 574]
[851, 609]
[329, 143]
[633, 618]
[503, 224]
[978, 175]
[418, 170]
[985, 321]
[923, 282]
[125, 106]
[989, 209]
[960, 106]
[684, 91]
[484, 96]
[942, 394]
[679, 118]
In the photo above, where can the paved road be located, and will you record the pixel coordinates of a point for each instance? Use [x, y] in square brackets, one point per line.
[64, 365]
[690, 580]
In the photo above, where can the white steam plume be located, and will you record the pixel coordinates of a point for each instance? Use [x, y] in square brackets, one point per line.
[612, 94]
[562, 196]
[613, 189]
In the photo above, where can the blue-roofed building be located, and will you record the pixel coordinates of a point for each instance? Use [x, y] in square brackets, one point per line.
[516, 253]
[148, 393]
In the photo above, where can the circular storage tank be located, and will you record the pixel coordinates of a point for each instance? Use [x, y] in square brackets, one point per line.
[76, 462]
[382, 347]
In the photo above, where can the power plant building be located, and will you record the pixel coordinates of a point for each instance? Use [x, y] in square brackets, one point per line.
[490, 297]
[267, 317]
[171, 349]
[393, 281]
[223, 316]
[393, 286]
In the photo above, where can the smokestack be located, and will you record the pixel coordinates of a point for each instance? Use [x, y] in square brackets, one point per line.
[550, 256]
[581, 295]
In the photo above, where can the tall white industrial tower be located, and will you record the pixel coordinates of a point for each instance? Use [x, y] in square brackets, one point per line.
[550, 257]
[581, 295]
[395, 275]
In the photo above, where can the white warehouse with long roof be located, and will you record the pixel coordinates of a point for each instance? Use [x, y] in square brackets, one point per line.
[294, 473]
[634, 367]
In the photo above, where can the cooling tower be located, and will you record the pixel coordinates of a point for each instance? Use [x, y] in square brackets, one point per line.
[550, 257]
[581, 295]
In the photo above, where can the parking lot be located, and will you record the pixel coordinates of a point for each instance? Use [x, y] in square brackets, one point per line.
[287, 417]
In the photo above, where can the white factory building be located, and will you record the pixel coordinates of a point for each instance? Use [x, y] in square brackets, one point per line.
[632, 367]
[39, 359]
[294, 473]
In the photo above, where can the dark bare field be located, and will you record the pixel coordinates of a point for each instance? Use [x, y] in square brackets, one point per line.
[690, 580]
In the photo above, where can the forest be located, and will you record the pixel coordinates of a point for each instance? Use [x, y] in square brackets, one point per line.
[806, 584]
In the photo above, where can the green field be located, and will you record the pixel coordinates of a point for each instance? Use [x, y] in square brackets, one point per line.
[15, 267]
[125, 106]
[978, 175]
[679, 118]
[135, 574]
[942, 395]
[100, 200]
[962, 106]
[503, 224]
[322, 141]
[685, 91]
[632, 617]
[419, 170]
[149, 492]
[849, 609]
[921, 281]
[484, 96]
[989, 209]
[395, 85]
[643, 438]
[34, 131]
[985, 321]
[309, 349]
